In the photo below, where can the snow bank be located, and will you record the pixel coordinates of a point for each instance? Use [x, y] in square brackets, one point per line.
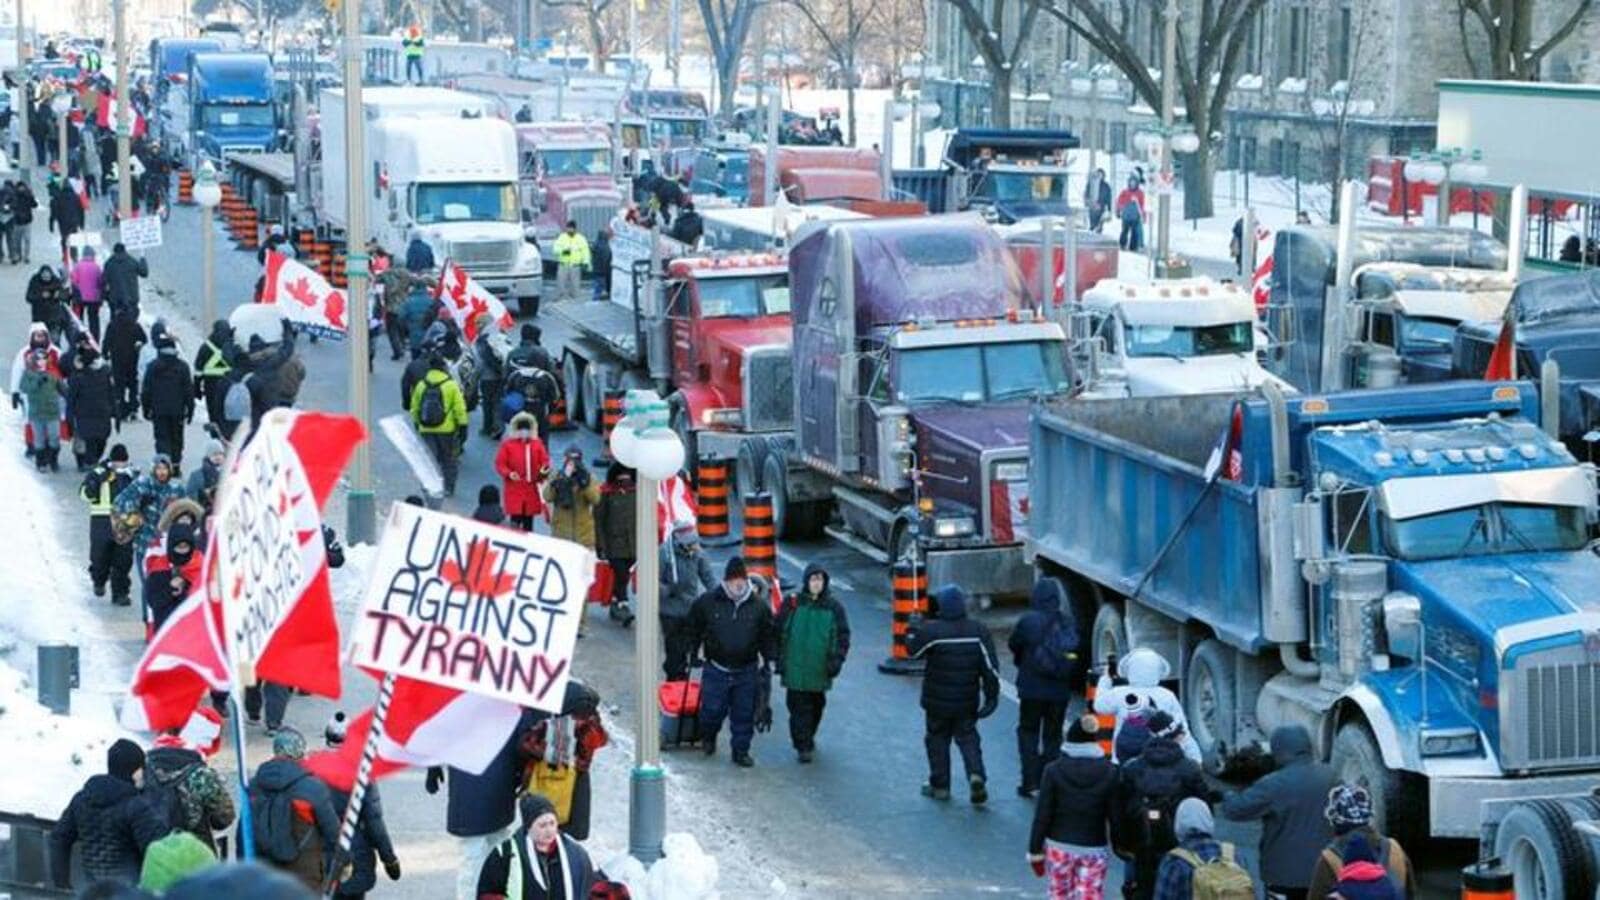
[47, 756]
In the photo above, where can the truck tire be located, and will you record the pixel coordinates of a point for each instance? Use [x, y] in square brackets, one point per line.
[775, 481]
[1544, 852]
[748, 467]
[1357, 760]
[1209, 701]
[572, 385]
[1110, 635]
[594, 394]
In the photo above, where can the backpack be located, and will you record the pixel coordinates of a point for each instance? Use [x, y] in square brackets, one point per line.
[1154, 823]
[272, 823]
[1334, 860]
[1219, 879]
[1056, 655]
[430, 412]
[236, 401]
[166, 800]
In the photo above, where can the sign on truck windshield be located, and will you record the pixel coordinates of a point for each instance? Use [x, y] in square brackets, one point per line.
[976, 373]
[746, 298]
[465, 202]
[234, 115]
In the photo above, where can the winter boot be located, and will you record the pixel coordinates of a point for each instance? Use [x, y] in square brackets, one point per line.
[935, 793]
[743, 760]
[121, 600]
[99, 589]
[41, 460]
[980, 790]
[54, 458]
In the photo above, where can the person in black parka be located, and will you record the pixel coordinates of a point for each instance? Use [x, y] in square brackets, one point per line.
[91, 407]
[168, 397]
[961, 669]
[368, 847]
[47, 299]
[213, 363]
[119, 279]
[481, 809]
[124, 338]
[110, 821]
[1151, 788]
[1044, 687]
[1077, 812]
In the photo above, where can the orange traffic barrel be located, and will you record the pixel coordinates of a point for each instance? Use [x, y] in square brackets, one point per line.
[1106, 721]
[558, 414]
[339, 279]
[610, 415]
[248, 233]
[303, 240]
[711, 494]
[1487, 880]
[908, 598]
[760, 536]
[185, 186]
[322, 257]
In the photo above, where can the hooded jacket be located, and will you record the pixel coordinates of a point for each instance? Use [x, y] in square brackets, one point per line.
[112, 824]
[1290, 803]
[1384, 853]
[575, 522]
[1160, 778]
[214, 360]
[120, 279]
[148, 497]
[733, 633]
[168, 388]
[522, 463]
[369, 844]
[312, 799]
[1194, 825]
[1077, 800]
[124, 337]
[90, 400]
[47, 297]
[205, 804]
[1045, 615]
[813, 636]
[961, 660]
[614, 533]
[684, 577]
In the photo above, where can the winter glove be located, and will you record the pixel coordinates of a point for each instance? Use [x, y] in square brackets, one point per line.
[835, 666]
[1036, 860]
[991, 700]
[391, 867]
[763, 716]
[16, 401]
[435, 778]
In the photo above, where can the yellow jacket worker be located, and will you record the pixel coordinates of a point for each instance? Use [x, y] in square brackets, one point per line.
[572, 257]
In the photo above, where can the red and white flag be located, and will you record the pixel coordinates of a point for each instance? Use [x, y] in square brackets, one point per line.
[466, 300]
[304, 296]
[1261, 281]
[105, 116]
[1503, 358]
[181, 663]
[675, 506]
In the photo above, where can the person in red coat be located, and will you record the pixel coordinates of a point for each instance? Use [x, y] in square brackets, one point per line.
[523, 464]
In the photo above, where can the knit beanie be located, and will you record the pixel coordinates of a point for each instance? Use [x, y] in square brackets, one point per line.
[289, 744]
[533, 806]
[124, 758]
[334, 734]
[1349, 806]
[119, 453]
[735, 569]
[488, 495]
[172, 859]
[1083, 730]
[216, 447]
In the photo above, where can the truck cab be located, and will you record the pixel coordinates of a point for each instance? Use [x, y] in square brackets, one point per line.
[722, 170]
[675, 117]
[229, 105]
[1407, 314]
[566, 173]
[1182, 336]
[1013, 174]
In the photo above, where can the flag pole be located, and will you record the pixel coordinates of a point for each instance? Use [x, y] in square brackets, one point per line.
[242, 674]
[247, 844]
[358, 792]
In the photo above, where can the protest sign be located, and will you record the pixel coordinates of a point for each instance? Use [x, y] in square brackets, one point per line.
[141, 233]
[474, 607]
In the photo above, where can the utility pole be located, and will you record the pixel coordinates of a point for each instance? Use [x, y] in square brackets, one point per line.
[1169, 87]
[119, 13]
[361, 506]
[25, 95]
[674, 39]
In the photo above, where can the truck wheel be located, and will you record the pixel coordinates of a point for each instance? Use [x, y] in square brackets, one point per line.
[1110, 634]
[747, 467]
[1357, 760]
[1544, 852]
[593, 397]
[775, 480]
[572, 386]
[1208, 700]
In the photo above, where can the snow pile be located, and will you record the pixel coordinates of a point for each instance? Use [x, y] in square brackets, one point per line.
[685, 872]
[48, 757]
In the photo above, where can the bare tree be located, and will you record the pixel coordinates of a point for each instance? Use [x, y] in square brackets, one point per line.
[1507, 25]
[600, 26]
[1208, 60]
[984, 21]
[839, 24]
[727, 24]
[897, 36]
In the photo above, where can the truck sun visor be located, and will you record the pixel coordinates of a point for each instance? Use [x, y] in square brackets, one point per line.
[1408, 498]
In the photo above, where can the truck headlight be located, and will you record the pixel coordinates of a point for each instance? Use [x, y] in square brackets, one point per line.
[1016, 470]
[953, 527]
[530, 254]
[1450, 742]
[727, 417]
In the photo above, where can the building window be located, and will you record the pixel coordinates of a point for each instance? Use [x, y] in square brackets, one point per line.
[1339, 48]
[1293, 29]
[1254, 44]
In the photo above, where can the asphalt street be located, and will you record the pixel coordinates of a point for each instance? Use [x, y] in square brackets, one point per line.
[852, 824]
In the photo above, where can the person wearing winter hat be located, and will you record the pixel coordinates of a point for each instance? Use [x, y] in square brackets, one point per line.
[180, 785]
[109, 560]
[1194, 825]
[686, 573]
[167, 394]
[1152, 786]
[733, 628]
[1363, 876]
[1289, 801]
[960, 686]
[523, 463]
[302, 848]
[109, 820]
[537, 862]
[170, 576]
[489, 510]
[615, 536]
[202, 487]
[91, 407]
[1349, 814]
[172, 859]
[813, 641]
[1044, 647]
[1076, 816]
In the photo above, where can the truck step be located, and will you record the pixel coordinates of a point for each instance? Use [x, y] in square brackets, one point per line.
[857, 543]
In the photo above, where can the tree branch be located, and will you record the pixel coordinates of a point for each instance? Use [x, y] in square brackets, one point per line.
[1466, 41]
[1560, 34]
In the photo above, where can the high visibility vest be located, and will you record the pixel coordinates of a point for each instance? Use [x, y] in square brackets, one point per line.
[412, 45]
[101, 503]
[217, 364]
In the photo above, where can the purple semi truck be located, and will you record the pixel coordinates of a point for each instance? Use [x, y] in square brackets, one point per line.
[916, 358]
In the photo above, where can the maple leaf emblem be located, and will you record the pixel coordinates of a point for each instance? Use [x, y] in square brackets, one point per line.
[458, 287]
[334, 309]
[300, 290]
[479, 575]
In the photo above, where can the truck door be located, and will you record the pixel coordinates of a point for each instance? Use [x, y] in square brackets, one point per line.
[816, 375]
[683, 310]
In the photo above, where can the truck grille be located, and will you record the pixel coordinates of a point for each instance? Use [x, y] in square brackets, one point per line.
[484, 256]
[592, 216]
[769, 390]
[1548, 712]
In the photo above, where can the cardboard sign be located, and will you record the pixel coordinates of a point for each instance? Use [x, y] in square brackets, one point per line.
[141, 233]
[269, 539]
[474, 607]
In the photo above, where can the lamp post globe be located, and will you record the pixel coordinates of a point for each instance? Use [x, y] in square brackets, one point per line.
[207, 192]
[658, 454]
[625, 441]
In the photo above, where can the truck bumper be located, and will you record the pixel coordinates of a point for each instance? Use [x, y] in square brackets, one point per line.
[981, 570]
[725, 444]
[1457, 807]
[530, 285]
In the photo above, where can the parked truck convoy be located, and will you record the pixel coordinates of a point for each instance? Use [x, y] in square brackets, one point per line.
[225, 104]
[566, 172]
[1406, 572]
[443, 171]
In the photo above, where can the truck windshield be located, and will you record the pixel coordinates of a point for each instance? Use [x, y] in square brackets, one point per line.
[465, 202]
[234, 115]
[589, 161]
[1486, 529]
[1022, 186]
[743, 298]
[1180, 341]
[975, 373]
[1577, 362]
[677, 132]
[1416, 331]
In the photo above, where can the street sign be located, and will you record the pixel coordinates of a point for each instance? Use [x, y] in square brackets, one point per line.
[141, 233]
[1163, 183]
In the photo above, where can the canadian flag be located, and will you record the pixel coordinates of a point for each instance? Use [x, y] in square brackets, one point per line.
[303, 295]
[183, 661]
[1261, 281]
[674, 506]
[1503, 358]
[105, 115]
[466, 300]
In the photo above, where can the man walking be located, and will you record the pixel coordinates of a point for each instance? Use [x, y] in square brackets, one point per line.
[168, 395]
[110, 821]
[1290, 802]
[813, 640]
[120, 279]
[572, 257]
[212, 365]
[1044, 647]
[108, 560]
[961, 666]
[440, 414]
[685, 574]
[735, 629]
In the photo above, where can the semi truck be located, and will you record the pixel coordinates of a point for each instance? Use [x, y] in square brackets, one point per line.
[1012, 174]
[915, 359]
[1405, 572]
[842, 176]
[227, 104]
[441, 170]
[567, 174]
[1406, 316]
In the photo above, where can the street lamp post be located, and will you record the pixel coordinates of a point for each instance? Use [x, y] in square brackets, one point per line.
[61, 105]
[119, 9]
[1169, 87]
[645, 442]
[361, 508]
[25, 97]
[208, 194]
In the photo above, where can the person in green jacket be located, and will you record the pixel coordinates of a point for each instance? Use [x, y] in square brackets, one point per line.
[813, 640]
[439, 412]
[572, 259]
[42, 390]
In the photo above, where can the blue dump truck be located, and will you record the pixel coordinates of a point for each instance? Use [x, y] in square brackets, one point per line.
[1406, 572]
[226, 105]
